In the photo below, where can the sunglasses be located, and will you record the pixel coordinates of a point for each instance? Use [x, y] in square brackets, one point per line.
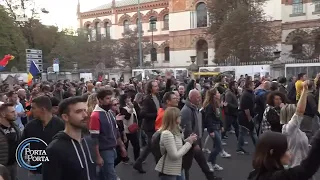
[115, 104]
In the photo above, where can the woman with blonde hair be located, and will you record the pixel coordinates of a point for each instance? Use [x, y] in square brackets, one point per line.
[91, 103]
[171, 146]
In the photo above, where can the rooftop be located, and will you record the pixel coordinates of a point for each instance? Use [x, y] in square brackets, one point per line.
[121, 3]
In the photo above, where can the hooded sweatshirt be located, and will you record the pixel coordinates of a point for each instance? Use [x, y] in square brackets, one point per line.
[103, 128]
[68, 159]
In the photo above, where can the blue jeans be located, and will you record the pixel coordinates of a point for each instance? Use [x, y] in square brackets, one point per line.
[171, 177]
[107, 170]
[242, 132]
[217, 147]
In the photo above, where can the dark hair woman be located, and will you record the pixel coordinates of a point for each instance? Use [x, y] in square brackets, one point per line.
[271, 115]
[130, 123]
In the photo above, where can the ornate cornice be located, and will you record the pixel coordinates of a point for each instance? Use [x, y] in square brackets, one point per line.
[125, 9]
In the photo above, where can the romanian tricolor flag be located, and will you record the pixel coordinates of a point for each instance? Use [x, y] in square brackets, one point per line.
[5, 61]
[33, 71]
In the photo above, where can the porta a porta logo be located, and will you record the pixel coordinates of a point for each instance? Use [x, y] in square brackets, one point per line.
[28, 158]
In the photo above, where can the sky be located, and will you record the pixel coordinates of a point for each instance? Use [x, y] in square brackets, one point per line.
[63, 12]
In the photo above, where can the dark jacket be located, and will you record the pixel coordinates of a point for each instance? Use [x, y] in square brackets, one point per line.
[35, 129]
[190, 122]
[232, 100]
[312, 105]
[149, 110]
[211, 121]
[246, 102]
[4, 146]
[304, 171]
[68, 159]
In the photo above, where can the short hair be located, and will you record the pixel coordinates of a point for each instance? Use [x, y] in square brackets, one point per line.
[167, 97]
[5, 106]
[274, 86]
[103, 93]
[43, 101]
[300, 75]
[248, 83]
[11, 93]
[311, 84]
[55, 101]
[64, 105]
[282, 80]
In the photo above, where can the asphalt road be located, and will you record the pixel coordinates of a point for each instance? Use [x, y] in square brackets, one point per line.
[236, 167]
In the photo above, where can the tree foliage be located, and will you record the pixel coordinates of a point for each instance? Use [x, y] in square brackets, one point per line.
[241, 30]
[129, 48]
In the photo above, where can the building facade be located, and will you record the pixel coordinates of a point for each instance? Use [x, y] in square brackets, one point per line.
[180, 30]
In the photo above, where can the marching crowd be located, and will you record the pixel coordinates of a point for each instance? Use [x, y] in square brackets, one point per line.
[88, 126]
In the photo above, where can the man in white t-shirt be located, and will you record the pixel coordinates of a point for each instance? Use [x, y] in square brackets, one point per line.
[13, 98]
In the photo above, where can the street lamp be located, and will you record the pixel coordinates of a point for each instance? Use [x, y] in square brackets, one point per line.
[153, 21]
[139, 34]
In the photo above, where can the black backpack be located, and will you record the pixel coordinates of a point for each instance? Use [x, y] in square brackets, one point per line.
[155, 146]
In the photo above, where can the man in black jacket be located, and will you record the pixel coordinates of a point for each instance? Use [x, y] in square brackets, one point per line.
[45, 126]
[69, 154]
[9, 138]
[149, 111]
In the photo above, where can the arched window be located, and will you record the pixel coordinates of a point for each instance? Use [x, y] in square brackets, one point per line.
[166, 22]
[153, 53]
[167, 54]
[107, 29]
[297, 44]
[126, 25]
[202, 15]
[88, 32]
[153, 23]
[317, 45]
[97, 28]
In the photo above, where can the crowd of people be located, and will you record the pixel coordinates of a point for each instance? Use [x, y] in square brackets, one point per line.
[88, 126]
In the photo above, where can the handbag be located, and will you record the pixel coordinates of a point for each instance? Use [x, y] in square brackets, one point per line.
[133, 128]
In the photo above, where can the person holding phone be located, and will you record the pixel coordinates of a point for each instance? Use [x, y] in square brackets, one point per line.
[130, 122]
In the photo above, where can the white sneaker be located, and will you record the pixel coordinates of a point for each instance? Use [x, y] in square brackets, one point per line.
[118, 178]
[217, 167]
[223, 143]
[210, 166]
[224, 154]
[206, 150]
[232, 132]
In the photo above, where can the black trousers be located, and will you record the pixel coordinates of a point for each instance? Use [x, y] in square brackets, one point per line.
[196, 153]
[231, 120]
[134, 140]
[146, 151]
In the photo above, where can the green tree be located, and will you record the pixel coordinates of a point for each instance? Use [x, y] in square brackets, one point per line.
[128, 49]
[11, 40]
[241, 30]
[72, 49]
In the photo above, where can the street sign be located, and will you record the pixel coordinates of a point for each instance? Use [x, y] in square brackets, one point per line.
[34, 55]
[56, 67]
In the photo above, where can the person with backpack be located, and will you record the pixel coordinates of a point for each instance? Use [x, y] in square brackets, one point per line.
[172, 147]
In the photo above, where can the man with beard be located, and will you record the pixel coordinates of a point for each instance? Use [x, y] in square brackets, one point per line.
[9, 138]
[103, 129]
[45, 126]
[69, 154]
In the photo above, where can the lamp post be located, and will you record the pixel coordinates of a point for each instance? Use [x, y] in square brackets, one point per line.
[152, 21]
[139, 34]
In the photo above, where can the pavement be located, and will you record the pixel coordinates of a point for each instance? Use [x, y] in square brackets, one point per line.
[235, 167]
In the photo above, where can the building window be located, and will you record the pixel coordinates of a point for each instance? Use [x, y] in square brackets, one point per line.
[317, 6]
[88, 32]
[167, 54]
[297, 45]
[126, 25]
[297, 7]
[107, 26]
[152, 24]
[153, 53]
[202, 15]
[166, 22]
[97, 28]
